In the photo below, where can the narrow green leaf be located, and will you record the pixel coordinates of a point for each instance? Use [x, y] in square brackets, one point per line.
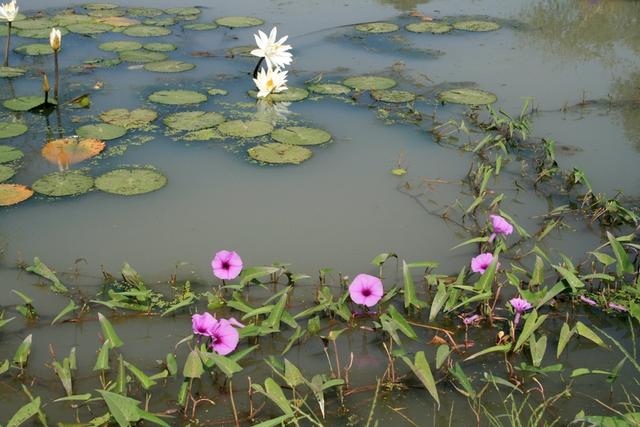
[142, 378]
[102, 361]
[623, 263]
[21, 356]
[24, 413]
[68, 309]
[565, 335]
[421, 369]
[109, 332]
[584, 331]
[42, 270]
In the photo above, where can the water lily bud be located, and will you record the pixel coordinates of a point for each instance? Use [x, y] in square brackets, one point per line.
[55, 39]
[45, 83]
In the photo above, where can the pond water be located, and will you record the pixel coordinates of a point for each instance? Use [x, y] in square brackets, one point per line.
[576, 60]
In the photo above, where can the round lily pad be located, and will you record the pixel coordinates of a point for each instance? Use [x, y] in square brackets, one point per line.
[100, 6]
[202, 135]
[111, 13]
[245, 128]
[201, 26]
[277, 153]
[429, 27]
[169, 66]
[177, 97]
[33, 24]
[160, 47]
[147, 12]
[292, 94]
[102, 131]
[297, 135]
[393, 96]
[120, 46]
[193, 120]
[243, 51]
[58, 184]
[239, 21]
[160, 22]
[182, 11]
[9, 154]
[11, 72]
[24, 103]
[101, 62]
[10, 130]
[146, 31]
[6, 172]
[65, 19]
[141, 56]
[467, 96]
[130, 182]
[370, 83]
[34, 49]
[476, 26]
[124, 118]
[119, 21]
[377, 27]
[11, 194]
[329, 89]
[215, 91]
[68, 151]
[89, 28]
[39, 33]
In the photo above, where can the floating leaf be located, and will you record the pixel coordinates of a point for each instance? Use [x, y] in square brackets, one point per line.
[11, 194]
[68, 151]
[66, 310]
[65, 19]
[9, 154]
[24, 103]
[101, 131]
[134, 119]
[6, 172]
[245, 128]
[467, 96]
[11, 72]
[160, 47]
[42, 270]
[329, 89]
[58, 184]
[10, 130]
[193, 120]
[476, 26]
[239, 21]
[100, 6]
[202, 135]
[147, 12]
[243, 51]
[130, 182]
[292, 94]
[297, 135]
[33, 24]
[120, 46]
[369, 83]
[169, 66]
[429, 27]
[119, 21]
[277, 153]
[377, 27]
[182, 11]
[200, 26]
[39, 33]
[146, 31]
[141, 56]
[177, 97]
[216, 91]
[89, 28]
[393, 96]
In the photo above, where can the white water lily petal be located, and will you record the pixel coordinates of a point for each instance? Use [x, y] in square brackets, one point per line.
[9, 11]
[274, 53]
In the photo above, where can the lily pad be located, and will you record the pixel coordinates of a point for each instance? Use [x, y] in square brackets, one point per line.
[120, 46]
[370, 82]
[135, 119]
[193, 120]
[201, 26]
[33, 24]
[11, 72]
[65, 19]
[59, 184]
[476, 26]
[429, 27]
[215, 91]
[245, 128]
[329, 89]
[10, 130]
[160, 47]
[11, 194]
[467, 96]
[160, 22]
[102, 131]
[242, 51]
[68, 151]
[146, 31]
[183, 11]
[377, 27]
[24, 103]
[89, 28]
[110, 13]
[147, 12]
[6, 172]
[141, 56]
[131, 182]
[202, 135]
[292, 94]
[177, 97]
[9, 154]
[276, 153]
[34, 49]
[239, 21]
[393, 96]
[100, 6]
[39, 33]
[297, 135]
[169, 66]
[119, 21]
[101, 62]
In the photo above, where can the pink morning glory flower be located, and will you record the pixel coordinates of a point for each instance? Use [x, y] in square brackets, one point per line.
[226, 265]
[480, 263]
[500, 226]
[617, 306]
[587, 300]
[224, 336]
[201, 323]
[520, 305]
[471, 319]
[366, 290]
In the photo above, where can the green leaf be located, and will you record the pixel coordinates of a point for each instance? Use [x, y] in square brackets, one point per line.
[21, 356]
[537, 276]
[121, 378]
[109, 332]
[382, 258]
[402, 323]
[410, 297]
[496, 348]
[142, 378]
[532, 323]
[64, 373]
[123, 409]
[438, 301]
[441, 355]
[193, 366]
[464, 381]
[421, 369]
[584, 331]
[253, 273]
[605, 259]
[571, 278]
[42, 270]
[565, 335]
[471, 241]
[292, 374]
[172, 364]
[273, 321]
[537, 349]
[102, 361]
[74, 398]
[485, 283]
[274, 392]
[68, 309]
[227, 365]
[623, 264]
[24, 413]
[281, 420]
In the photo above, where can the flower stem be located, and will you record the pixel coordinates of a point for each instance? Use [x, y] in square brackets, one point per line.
[6, 51]
[56, 84]
[255, 70]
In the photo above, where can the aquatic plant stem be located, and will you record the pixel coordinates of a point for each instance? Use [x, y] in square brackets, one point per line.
[233, 404]
[56, 84]
[255, 70]
[6, 50]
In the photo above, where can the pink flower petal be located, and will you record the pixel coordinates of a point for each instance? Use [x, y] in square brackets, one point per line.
[366, 290]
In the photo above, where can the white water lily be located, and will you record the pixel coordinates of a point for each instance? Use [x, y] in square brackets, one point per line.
[270, 81]
[9, 11]
[274, 52]
[55, 39]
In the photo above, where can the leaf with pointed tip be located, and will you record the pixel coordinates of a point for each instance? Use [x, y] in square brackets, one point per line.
[109, 332]
[21, 357]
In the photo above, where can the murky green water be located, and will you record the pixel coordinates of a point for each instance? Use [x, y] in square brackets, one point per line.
[343, 206]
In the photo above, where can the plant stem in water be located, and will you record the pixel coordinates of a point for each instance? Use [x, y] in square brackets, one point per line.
[6, 51]
[56, 84]
[255, 70]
